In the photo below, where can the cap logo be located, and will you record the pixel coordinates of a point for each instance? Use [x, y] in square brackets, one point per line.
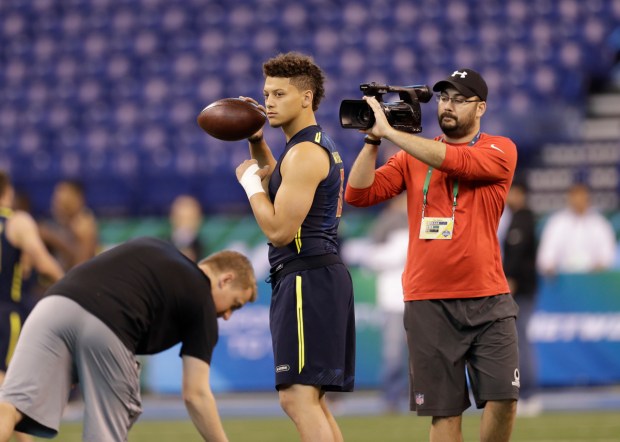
[462, 74]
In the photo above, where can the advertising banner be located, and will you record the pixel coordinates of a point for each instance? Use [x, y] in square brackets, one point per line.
[576, 330]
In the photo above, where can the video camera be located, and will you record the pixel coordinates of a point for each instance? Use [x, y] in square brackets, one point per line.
[404, 114]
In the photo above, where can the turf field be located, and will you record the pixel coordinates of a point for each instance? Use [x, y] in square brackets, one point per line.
[582, 427]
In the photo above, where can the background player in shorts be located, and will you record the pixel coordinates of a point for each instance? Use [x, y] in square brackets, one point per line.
[458, 311]
[140, 297]
[19, 240]
[311, 318]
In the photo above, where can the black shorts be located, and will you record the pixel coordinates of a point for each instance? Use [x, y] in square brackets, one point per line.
[312, 321]
[11, 321]
[445, 337]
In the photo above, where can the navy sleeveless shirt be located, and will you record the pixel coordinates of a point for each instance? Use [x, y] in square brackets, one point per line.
[318, 234]
[10, 271]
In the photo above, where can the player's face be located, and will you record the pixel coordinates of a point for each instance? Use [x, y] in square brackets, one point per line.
[283, 101]
[457, 120]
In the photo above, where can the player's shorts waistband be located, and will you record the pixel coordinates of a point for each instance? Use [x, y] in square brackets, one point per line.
[304, 263]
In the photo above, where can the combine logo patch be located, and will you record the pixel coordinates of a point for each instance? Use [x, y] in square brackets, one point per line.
[281, 368]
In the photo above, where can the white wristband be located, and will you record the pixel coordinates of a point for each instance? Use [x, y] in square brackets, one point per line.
[251, 182]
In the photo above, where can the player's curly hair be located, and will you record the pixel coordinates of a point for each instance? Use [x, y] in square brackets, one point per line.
[302, 71]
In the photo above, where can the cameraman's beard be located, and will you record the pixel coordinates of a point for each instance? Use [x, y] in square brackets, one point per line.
[456, 128]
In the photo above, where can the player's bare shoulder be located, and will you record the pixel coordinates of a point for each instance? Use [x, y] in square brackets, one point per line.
[307, 158]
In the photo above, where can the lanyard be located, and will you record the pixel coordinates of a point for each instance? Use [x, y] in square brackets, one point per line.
[455, 186]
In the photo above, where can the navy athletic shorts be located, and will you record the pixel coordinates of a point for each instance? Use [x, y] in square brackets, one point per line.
[312, 321]
[447, 336]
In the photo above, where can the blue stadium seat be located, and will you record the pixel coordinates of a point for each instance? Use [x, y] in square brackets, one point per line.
[139, 72]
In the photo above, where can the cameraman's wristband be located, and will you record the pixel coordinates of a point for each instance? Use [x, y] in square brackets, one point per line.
[372, 141]
[251, 182]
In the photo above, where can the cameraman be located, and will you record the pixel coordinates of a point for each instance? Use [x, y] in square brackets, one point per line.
[458, 311]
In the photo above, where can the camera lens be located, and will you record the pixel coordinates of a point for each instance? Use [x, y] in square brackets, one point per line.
[356, 114]
[363, 116]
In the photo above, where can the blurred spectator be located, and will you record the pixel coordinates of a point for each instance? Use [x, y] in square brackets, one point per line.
[519, 246]
[387, 256]
[577, 239]
[33, 284]
[72, 234]
[384, 252]
[185, 222]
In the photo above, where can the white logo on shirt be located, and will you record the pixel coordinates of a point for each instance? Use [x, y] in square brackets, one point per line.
[493, 146]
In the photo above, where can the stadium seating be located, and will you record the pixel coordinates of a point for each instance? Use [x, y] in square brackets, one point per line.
[108, 91]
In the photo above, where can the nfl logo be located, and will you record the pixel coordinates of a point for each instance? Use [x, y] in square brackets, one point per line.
[419, 398]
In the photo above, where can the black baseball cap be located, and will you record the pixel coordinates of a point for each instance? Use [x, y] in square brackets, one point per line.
[467, 81]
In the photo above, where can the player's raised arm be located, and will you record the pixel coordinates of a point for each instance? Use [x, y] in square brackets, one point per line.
[259, 149]
[281, 220]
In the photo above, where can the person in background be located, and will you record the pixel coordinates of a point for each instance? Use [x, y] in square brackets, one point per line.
[140, 297]
[72, 234]
[185, 223]
[19, 241]
[297, 202]
[33, 284]
[577, 239]
[387, 257]
[459, 315]
[520, 245]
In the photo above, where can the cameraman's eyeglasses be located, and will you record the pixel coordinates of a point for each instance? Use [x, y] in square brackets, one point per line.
[458, 101]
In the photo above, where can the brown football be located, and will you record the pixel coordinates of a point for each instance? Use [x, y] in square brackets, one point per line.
[231, 119]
